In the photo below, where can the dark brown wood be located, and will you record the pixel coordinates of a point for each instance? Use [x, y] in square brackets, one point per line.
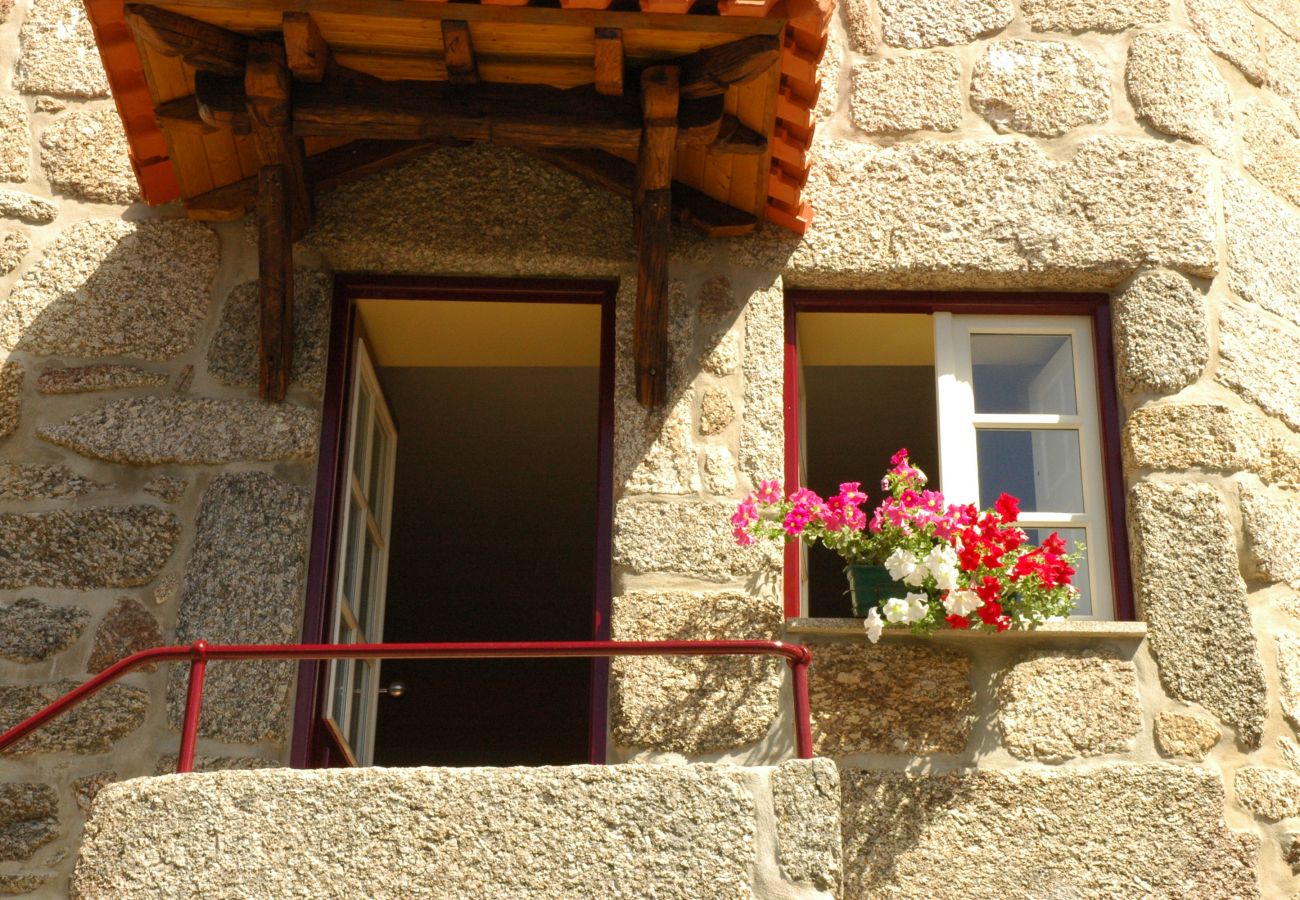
[267, 86]
[652, 216]
[199, 44]
[307, 53]
[324, 171]
[691, 207]
[221, 101]
[458, 52]
[514, 114]
[275, 281]
[609, 62]
[714, 70]
[738, 138]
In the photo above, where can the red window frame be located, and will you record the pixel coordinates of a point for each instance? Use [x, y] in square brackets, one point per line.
[313, 744]
[1095, 306]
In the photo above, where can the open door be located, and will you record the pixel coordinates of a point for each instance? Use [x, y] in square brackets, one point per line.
[364, 538]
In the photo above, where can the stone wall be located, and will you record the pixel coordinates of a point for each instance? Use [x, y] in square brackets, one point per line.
[597, 831]
[1149, 148]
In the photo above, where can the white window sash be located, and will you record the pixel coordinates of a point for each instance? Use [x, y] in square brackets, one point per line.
[959, 425]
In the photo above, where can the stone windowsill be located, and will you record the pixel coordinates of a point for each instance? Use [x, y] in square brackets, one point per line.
[1053, 631]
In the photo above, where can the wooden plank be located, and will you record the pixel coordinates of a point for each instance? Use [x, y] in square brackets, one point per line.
[221, 102]
[609, 62]
[458, 52]
[506, 114]
[713, 71]
[267, 87]
[305, 49]
[274, 281]
[200, 44]
[259, 15]
[652, 212]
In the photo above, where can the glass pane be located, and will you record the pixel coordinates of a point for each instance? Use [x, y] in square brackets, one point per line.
[352, 548]
[363, 686]
[1038, 465]
[1023, 373]
[368, 589]
[378, 463]
[1072, 537]
[342, 691]
[359, 435]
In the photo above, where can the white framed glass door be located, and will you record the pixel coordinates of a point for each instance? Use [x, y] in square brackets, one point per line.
[1017, 399]
[363, 541]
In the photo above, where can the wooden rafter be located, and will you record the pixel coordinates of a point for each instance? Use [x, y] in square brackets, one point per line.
[692, 208]
[199, 44]
[458, 52]
[305, 49]
[609, 62]
[652, 215]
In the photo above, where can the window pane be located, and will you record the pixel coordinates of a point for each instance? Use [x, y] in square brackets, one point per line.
[342, 691]
[363, 686]
[378, 463]
[351, 549]
[359, 435]
[1038, 465]
[1071, 536]
[1023, 373]
[366, 593]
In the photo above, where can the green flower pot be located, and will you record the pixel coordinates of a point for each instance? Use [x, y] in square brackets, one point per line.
[871, 586]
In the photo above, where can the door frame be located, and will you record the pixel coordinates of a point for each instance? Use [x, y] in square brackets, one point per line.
[313, 745]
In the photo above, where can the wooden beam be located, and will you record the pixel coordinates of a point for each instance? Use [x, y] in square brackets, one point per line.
[652, 216]
[691, 207]
[515, 114]
[181, 114]
[609, 62]
[458, 52]
[307, 53]
[739, 139]
[324, 171]
[714, 70]
[221, 101]
[199, 44]
[266, 85]
[274, 281]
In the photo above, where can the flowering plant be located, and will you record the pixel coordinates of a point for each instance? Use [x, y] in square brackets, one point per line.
[963, 567]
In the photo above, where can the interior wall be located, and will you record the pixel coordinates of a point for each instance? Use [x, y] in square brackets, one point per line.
[494, 533]
[855, 418]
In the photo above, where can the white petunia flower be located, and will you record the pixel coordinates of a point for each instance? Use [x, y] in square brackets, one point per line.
[962, 603]
[946, 579]
[874, 625]
[895, 609]
[940, 559]
[901, 564]
[918, 607]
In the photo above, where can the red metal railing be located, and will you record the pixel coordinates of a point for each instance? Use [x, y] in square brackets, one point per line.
[200, 652]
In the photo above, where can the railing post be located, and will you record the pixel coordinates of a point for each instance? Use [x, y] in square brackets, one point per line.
[193, 705]
[802, 707]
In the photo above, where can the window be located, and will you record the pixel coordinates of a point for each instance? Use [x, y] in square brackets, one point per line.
[362, 578]
[988, 397]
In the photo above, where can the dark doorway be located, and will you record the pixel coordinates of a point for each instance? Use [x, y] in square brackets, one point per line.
[495, 504]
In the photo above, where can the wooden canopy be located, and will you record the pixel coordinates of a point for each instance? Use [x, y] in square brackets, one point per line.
[702, 116]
